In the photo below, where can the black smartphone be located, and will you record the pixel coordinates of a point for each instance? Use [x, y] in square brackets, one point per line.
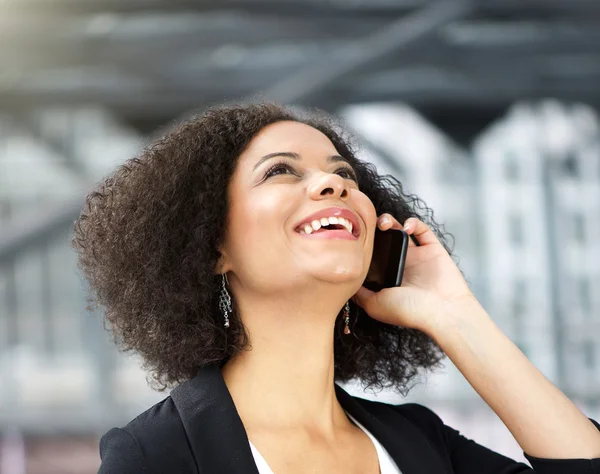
[387, 264]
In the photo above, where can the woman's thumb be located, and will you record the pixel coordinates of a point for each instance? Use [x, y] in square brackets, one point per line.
[362, 296]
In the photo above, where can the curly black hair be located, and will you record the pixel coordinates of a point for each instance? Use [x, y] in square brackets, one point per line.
[147, 241]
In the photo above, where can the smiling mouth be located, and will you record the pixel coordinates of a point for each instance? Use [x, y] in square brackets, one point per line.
[330, 224]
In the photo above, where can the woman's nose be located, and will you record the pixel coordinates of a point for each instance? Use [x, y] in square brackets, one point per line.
[328, 185]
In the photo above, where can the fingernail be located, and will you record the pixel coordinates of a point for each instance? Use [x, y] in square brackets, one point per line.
[406, 225]
[384, 220]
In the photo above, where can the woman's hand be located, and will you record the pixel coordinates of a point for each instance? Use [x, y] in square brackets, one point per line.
[432, 283]
[435, 298]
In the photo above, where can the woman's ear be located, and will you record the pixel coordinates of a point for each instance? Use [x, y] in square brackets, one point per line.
[222, 265]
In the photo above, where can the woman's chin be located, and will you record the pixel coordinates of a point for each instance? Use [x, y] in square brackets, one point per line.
[341, 274]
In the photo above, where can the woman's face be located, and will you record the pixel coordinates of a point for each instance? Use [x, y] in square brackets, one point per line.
[263, 247]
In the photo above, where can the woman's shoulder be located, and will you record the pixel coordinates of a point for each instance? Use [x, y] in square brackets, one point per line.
[420, 414]
[144, 440]
[414, 412]
[161, 417]
[419, 417]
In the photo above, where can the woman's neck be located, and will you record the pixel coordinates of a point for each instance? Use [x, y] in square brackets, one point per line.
[285, 384]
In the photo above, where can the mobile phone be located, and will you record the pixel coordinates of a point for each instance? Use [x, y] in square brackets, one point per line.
[387, 264]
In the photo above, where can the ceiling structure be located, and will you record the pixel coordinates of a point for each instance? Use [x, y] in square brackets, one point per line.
[149, 61]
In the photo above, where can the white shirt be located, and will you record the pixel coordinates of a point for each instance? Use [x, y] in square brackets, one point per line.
[386, 463]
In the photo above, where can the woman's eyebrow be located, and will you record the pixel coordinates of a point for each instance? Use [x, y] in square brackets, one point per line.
[296, 156]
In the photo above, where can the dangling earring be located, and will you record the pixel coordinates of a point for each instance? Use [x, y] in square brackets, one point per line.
[225, 300]
[347, 317]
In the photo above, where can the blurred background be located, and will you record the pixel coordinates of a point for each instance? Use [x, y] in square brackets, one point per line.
[487, 110]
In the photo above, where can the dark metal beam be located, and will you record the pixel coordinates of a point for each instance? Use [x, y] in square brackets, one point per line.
[149, 53]
[152, 32]
[559, 8]
[483, 83]
[551, 72]
[363, 8]
[470, 94]
[399, 34]
[278, 7]
[173, 94]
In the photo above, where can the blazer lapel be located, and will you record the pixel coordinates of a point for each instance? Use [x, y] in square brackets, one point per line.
[215, 431]
[220, 445]
[405, 443]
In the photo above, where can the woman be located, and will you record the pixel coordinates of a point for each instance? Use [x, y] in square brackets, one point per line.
[207, 255]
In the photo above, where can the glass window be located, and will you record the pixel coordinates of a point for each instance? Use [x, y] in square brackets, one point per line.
[515, 225]
[585, 296]
[589, 355]
[579, 228]
[570, 166]
[512, 166]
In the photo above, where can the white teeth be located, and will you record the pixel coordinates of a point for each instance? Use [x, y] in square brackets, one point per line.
[346, 223]
[324, 221]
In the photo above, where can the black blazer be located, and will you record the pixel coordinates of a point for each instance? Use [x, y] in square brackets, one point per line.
[198, 430]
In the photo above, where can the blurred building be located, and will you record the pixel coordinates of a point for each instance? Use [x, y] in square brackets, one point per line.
[540, 188]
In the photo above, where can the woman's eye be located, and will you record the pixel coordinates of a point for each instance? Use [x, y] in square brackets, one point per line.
[344, 171]
[272, 170]
[349, 173]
